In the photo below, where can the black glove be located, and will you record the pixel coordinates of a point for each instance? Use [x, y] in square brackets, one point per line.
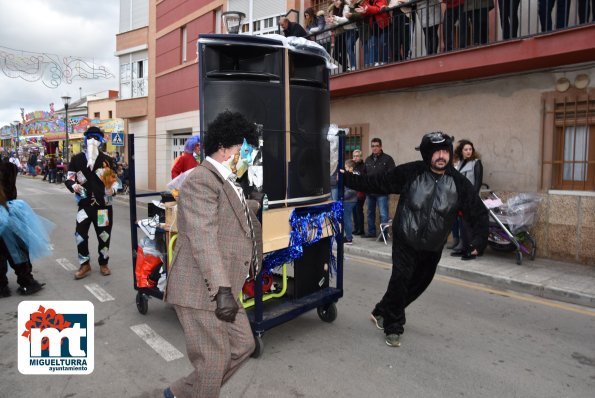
[227, 306]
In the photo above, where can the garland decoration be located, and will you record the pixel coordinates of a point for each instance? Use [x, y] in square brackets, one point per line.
[307, 226]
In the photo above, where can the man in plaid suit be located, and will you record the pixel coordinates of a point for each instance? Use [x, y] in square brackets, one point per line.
[218, 245]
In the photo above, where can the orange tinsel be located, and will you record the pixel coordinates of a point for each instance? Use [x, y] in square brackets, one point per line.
[108, 176]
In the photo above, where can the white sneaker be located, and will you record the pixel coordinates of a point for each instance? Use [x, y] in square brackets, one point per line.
[149, 225]
[376, 64]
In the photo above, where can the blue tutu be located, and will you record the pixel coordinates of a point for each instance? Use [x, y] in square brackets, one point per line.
[3, 219]
[25, 232]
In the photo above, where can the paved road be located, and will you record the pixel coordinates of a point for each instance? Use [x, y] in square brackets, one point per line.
[461, 339]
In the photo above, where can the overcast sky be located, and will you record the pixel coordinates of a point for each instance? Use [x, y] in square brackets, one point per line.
[78, 28]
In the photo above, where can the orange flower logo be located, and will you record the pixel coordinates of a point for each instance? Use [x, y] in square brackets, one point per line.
[43, 319]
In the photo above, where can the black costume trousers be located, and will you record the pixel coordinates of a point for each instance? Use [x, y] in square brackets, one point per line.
[22, 270]
[82, 232]
[413, 271]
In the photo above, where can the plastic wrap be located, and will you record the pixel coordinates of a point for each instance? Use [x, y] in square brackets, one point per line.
[519, 212]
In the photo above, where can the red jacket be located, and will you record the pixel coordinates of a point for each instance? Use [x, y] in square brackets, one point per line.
[454, 3]
[373, 8]
[183, 163]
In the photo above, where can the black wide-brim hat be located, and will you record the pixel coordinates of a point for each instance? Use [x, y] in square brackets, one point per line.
[94, 132]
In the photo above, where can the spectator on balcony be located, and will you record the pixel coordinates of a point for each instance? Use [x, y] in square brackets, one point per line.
[477, 12]
[429, 14]
[315, 22]
[509, 18]
[292, 28]
[544, 9]
[376, 40]
[352, 33]
[584, 8]
[336, 16]
[400, 42]
[455, 12]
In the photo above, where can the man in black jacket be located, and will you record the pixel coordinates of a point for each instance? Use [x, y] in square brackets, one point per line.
[431, 193]
[92, 178]
[292, 28]
[375, 164]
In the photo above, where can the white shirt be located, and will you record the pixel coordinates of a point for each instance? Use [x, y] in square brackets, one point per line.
[225, 173]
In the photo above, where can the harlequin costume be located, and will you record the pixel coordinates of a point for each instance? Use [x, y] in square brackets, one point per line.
[92, 178]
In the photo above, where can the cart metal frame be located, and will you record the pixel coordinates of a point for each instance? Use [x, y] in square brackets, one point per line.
[277, 311]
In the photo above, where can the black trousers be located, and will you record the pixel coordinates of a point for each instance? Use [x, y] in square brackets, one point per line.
[412, 273]
[22, 270]
[358, 215]
[103, 233]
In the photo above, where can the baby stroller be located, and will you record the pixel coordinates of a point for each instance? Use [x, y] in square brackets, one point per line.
[510, 223]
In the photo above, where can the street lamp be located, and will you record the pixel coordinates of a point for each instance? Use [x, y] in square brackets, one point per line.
[233, 20]
[66, 100]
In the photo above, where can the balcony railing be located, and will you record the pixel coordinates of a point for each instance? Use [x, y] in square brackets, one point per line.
[421, 28]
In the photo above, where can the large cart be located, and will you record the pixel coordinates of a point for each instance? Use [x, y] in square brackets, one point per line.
[284, 89]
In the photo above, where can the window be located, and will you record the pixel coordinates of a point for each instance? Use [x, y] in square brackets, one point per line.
[184, 44]
[134, 70]
[570, 127]
[264, 26]
[96, 115]
[356, 139]
[110, 114]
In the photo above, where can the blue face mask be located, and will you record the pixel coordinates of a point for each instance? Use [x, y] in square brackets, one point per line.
[246, 151]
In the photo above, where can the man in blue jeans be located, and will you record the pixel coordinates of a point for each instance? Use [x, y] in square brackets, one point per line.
[377, 163]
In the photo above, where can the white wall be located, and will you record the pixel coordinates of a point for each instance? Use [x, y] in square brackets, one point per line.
[502, 117]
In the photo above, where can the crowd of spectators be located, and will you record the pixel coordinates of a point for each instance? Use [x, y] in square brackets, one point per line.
[384, 29]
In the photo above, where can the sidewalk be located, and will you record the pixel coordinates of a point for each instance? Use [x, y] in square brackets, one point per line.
[568, 282]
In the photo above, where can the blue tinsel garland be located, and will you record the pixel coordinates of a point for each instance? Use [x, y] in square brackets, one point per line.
[307, 225]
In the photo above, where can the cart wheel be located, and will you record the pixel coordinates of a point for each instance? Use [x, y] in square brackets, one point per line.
[258, 350]
[328, 313]
[519, 257]
[142, 303]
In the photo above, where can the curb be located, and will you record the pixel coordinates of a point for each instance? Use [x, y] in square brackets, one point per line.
[545, 290]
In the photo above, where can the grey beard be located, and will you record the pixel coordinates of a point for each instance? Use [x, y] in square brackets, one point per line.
[92, 153]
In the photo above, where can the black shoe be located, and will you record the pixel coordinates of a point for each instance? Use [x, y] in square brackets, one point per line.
[457, 253]
[358, 232]
[468, 256]
[370, 236]
[4, 291]
[32, 288]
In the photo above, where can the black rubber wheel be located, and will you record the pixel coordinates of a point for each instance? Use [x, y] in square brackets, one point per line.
[142, 303]
[259, 348]
[328, 313]
[519, 257]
